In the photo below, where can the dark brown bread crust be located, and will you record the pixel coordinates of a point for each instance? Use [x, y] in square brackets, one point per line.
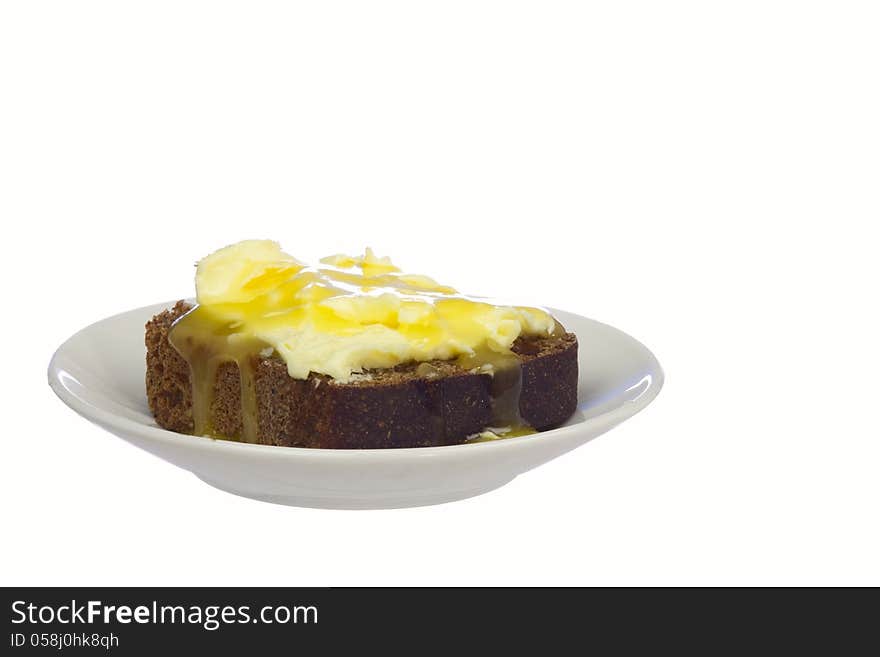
[390, 408]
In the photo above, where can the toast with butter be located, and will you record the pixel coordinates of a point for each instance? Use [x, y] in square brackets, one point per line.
[353, 354]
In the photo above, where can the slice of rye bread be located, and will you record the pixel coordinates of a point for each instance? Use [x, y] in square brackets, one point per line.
[394, 407]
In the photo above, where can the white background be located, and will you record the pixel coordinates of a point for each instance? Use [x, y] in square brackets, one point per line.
[703, 175]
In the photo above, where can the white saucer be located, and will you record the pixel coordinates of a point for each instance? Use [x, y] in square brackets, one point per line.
[99, 373]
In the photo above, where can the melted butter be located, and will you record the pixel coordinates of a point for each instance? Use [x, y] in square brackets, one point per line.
[349, 315]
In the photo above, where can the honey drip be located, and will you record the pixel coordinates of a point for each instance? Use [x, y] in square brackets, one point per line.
[205, 345]
[506, 386]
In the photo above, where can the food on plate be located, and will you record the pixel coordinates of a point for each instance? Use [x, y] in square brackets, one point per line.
[351, 354]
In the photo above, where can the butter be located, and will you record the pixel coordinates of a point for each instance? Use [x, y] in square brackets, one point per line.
[349, 314]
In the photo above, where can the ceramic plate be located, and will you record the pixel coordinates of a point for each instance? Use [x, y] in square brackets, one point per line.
[99, 373]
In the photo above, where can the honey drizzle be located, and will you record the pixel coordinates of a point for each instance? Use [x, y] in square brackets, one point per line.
[506, 386]
[249, 422]
[205, 345]
[203, 374]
